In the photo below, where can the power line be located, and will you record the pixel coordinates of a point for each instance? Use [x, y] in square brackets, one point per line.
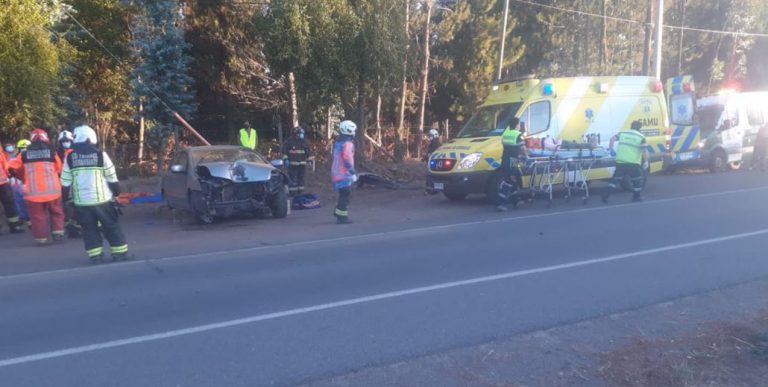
[583, 13]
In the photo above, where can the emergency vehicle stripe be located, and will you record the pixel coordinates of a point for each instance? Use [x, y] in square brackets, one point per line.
[691, 136]
[676, 136]
[567, 110]
[677, 85]
[662, 148]
[453, 155]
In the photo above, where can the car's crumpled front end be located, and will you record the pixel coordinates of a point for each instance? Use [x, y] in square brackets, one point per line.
[228, 188]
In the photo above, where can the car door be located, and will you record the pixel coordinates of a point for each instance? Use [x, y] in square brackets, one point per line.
[175, 180]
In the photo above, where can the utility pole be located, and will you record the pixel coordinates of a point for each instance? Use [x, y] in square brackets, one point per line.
[503, 39]
[659, 32]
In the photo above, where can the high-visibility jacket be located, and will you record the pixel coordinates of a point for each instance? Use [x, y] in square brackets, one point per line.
[630, 149]
[39, 167]
[249, 138]
[296, 151]
[4, 179]
[512, 137]
[343, 168]
[89, 172]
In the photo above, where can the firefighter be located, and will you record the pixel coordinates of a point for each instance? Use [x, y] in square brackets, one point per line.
[90, 178]
[343, 169]
[513, 141]
[249, 138]
[63, 149]
[295, 156]
[6, 196]
[39, 167]
[16, 184]
[629, 159]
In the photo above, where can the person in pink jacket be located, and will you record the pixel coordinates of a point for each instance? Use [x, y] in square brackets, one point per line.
[343, 170]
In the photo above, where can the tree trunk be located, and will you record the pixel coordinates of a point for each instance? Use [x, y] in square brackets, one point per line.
[362, 149]
[141, 131]
[648, 34]
[424, 76]
[682, 34]
[294, 102]
[604, 39]
[328, 129]
[404, 93]
[378, 111]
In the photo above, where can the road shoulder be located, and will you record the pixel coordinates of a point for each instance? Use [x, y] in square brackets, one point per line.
[715, 338]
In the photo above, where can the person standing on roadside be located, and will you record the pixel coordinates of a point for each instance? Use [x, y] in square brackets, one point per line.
[296, 153]
[343, 169]
[434, 145]
[513, 142]
[90, 178]
[39, 167]
[761, 149]
[249, 138]
[629, 161]
[17, 185]
[6, 196]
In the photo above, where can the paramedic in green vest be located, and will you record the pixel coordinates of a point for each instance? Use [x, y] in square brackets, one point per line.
[513, 141]
[248, 137]
[630, 152]
[89, 177]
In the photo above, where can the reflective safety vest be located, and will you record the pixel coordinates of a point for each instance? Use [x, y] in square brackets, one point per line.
[249, 138]
[41, 169]
[511, 137]
[630, 148]
[89, 172]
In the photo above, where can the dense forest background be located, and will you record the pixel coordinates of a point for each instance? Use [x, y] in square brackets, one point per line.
[393, 66]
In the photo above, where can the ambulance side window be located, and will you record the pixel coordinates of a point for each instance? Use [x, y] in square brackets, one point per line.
[537, 117]
[732, 114]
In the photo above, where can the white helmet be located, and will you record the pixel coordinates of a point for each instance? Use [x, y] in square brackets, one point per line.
[433, 133]
[347, 128]
[85, 134]
[66, 135]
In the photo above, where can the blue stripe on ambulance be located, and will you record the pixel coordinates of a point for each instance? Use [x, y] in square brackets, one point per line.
[677, 85]
[676, 136]
[689, 140]
[662, 148]
[492, 162]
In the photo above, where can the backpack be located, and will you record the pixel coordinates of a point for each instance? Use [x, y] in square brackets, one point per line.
[305, 202]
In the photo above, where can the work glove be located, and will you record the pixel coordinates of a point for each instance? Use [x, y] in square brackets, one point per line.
[354, 178]
[645, 165]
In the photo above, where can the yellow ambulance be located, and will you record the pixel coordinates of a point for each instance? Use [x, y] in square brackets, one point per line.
[577, 110]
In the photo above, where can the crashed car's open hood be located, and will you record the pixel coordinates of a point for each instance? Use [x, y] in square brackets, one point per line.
[238, 171]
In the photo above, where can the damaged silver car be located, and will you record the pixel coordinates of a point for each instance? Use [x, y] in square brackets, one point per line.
[224, 180]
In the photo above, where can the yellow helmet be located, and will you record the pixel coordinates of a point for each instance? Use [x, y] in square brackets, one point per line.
[23, 144]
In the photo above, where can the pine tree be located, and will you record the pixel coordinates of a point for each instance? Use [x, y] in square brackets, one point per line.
[163, 68]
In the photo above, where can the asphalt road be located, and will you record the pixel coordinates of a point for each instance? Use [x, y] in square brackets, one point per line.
[292, 310]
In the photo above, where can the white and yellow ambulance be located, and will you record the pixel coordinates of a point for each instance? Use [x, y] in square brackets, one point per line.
[563, 109]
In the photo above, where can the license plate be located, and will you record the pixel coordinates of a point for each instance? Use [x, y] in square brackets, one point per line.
[439, 186]
[686, 156]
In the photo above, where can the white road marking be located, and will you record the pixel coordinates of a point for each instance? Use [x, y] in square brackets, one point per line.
[364, 300]
[232, 253]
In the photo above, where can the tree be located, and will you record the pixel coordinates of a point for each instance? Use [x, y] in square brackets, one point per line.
[160, 80]
[30, 61]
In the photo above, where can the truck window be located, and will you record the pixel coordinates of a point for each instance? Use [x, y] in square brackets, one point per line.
[681, 109]
[537, 117]
[490, 120]
[755, 116]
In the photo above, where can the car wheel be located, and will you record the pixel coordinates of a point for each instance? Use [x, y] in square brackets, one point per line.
[279, 203]
[199, 209]
[455, 197]
[719, 161]
[166, 203]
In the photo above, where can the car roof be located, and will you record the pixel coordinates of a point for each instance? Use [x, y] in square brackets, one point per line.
[196, 149]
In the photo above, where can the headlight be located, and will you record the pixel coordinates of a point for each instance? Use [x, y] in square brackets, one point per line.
[702, 143]
[469, 161]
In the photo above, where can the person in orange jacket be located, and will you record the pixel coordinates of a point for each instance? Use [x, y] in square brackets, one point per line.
[39, 167]
[6, 197]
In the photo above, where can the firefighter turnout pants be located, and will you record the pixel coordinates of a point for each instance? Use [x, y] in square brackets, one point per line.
[9, 204]
[296, 173]
[39, 212]
[98, 219]
[342, 206]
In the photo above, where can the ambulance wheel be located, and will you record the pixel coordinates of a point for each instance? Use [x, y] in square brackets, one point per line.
[719, 161]
[734, 166]
[455, 197]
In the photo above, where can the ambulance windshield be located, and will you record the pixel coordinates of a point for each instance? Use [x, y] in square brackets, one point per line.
[490, 120]
[709, 117]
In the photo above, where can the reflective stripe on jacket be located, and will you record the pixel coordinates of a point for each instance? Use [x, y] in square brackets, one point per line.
[3, 169]
[343, 162]
[296, 150]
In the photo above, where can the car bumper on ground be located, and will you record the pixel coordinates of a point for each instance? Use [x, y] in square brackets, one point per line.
[460, 183]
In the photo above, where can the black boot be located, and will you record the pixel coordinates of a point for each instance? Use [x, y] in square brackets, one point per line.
[16, 227]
